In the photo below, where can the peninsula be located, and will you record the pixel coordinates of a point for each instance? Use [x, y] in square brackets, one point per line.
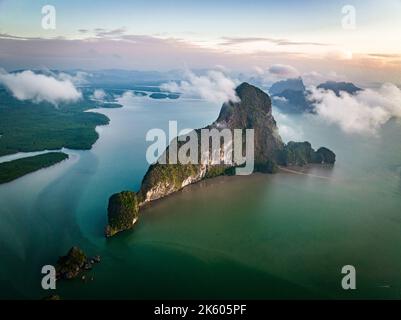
[12, 170]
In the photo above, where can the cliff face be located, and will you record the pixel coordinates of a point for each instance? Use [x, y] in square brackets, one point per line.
[253, 111]
[164, 179]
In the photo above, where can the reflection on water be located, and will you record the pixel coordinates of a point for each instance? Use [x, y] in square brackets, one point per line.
[285, 235]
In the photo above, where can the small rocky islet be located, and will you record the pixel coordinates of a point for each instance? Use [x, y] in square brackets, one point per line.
[74, 264]
[252, 111]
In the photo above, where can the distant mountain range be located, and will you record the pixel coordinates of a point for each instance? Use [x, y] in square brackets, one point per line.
[290, 96]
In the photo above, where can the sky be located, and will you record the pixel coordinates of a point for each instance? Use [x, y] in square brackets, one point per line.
[308, 36]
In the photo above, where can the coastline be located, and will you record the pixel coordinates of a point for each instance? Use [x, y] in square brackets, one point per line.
[17, 159]
[12, 170]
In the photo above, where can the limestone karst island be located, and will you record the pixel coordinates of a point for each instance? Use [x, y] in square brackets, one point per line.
[254, 111]
[182, 155]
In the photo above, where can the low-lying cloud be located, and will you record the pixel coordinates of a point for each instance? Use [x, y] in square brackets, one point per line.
[283, 71]
[28, 85]
[315, 78]
[265, 77]
[127, 98]
[289, 129]
[362, 113]
[99, 95]
[215, 86]
[79, 78]
[229, 41]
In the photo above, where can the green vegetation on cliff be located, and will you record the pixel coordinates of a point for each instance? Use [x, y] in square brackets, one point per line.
[172, 174]
[17, 168]
[297, 153]
[269, 166]
[122, 212]
[219, 170]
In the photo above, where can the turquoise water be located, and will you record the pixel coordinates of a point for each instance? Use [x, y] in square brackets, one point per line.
[264, 236]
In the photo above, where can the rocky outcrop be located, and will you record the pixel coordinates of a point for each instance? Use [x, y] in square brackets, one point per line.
[74, 263]
[325, 156]
[302, 153]
[69, 266]
[252, 111]
[122, 212]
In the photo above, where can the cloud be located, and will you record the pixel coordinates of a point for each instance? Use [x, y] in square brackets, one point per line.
[385, 55]
[12, 37]
[283, 71]
[134, 52]
[229, 41]
[104, 33]
[98, 95]
[315, 78]
[280, 99]
[128, 98]
[27, 85]
[289, 129]
[363, 113]
[222, 68]
[258, 70]
[130, 51]
[339, 54]
[215, 86]
[265, 77]
[79, 78]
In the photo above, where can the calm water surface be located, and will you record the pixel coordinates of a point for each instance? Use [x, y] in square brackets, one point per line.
[263, 236]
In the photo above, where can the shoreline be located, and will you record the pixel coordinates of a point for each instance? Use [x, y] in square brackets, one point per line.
[19, 168]
[20, 156]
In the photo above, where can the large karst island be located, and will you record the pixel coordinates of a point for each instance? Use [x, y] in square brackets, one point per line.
[252, 111]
